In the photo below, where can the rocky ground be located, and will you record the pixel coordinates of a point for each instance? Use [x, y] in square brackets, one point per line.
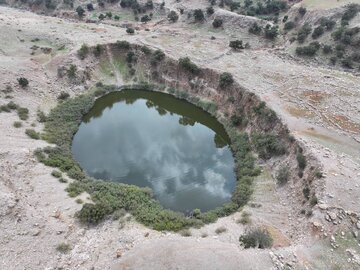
[320, 106]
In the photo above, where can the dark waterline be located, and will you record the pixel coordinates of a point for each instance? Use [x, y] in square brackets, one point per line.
[152, 139]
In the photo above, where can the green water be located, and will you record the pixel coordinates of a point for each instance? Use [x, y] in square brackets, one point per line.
[152, 139]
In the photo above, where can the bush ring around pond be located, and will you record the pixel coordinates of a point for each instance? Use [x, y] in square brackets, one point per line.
[108, 197]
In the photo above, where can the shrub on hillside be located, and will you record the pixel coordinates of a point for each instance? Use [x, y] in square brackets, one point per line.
[217, 23]
[173, 16]
[256, 238]
[23, 82]
[188, 65]
[226, 79]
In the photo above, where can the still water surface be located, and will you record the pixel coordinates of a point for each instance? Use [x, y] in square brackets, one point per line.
[152, 139]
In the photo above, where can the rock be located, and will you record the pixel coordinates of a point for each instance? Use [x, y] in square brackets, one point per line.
[333, 216]
[323, 206]
[118, 253]
[355, 234]
[358, 225]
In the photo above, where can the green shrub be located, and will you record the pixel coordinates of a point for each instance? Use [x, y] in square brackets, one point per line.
[220, 230]
[188, 65]
[302, 11]
[23, 113]
[83, 51]
[309, 50]
[63, 95]
[306, 192]
[17, 124]
[245, 218]
[301, 161]
[318, 31]
[236, 44]
[23, 82]
[210, 10]
[157, 57]
[313, 201]
[123, 45]
[255, 29]
[289, 25]
[130, 30]
[41, 117]
[267, 145]
[32, 134]
[56, 174]
[327, 49]
[304, 32]
[185, 233]
[199, 15]
[173, 16]
[98, 50]
[256, 238]
[71, 72]
[63, 248]
[283, 175]
[349, 13]
[80, 11]
[226, 80]
[217, 23]
[271, 32]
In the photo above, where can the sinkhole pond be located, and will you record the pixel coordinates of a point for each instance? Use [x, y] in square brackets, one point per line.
[155, 140]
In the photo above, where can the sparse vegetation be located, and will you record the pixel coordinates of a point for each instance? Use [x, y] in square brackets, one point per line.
[256, 238]
[17, 124]
[226, 80]
[63, 248]
[236, 44]
[23, 113]
[268, 145]
[23, 82]
[83, 51]
[245, 218]
[32, 134]
[283, 175]
[173, 16]
[220, 230]
[188, 65]
[56, 174]
[217, 23]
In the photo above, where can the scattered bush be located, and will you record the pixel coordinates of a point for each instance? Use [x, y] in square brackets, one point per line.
[199, 15]
[217, 23]
[256, 238]
[318, 31]
[283, 175]
[309, 50]
[188, 65]
[220, 230]
[236, 44]
[90, 7]
[349, 13]
[302, 11]
[71, 72]
[157, 57]
[63, 248]
[146, 18]
[289, 25]
[32, 134]
[130, 30]
[23, 82]
[41, 117]
[328, 24]
[271, 32]
[327, 49]
[63, 95]
[303, 33]
[185, 233]
[268, 145]
[123, 45]
[83, 51]
[313, 201]
[80, 11]
[23, 113]
[301, 161]
[98, 50]
[56, 174]
[255, 29]
[17, 124]
[306, 192]
[173, 16]
[245, 218]
[210, 10]
[226, 80]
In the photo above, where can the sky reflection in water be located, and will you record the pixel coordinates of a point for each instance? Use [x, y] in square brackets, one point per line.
[155, 140]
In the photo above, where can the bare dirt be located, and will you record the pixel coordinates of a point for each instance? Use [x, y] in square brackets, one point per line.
[320, 106]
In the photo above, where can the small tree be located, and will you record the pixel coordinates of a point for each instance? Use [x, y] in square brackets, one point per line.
[318, 31]
[199, 15]
[173, 16]
[102, 17]
[80, 11]
[217, 23]
[226, 79]
[23, 82]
